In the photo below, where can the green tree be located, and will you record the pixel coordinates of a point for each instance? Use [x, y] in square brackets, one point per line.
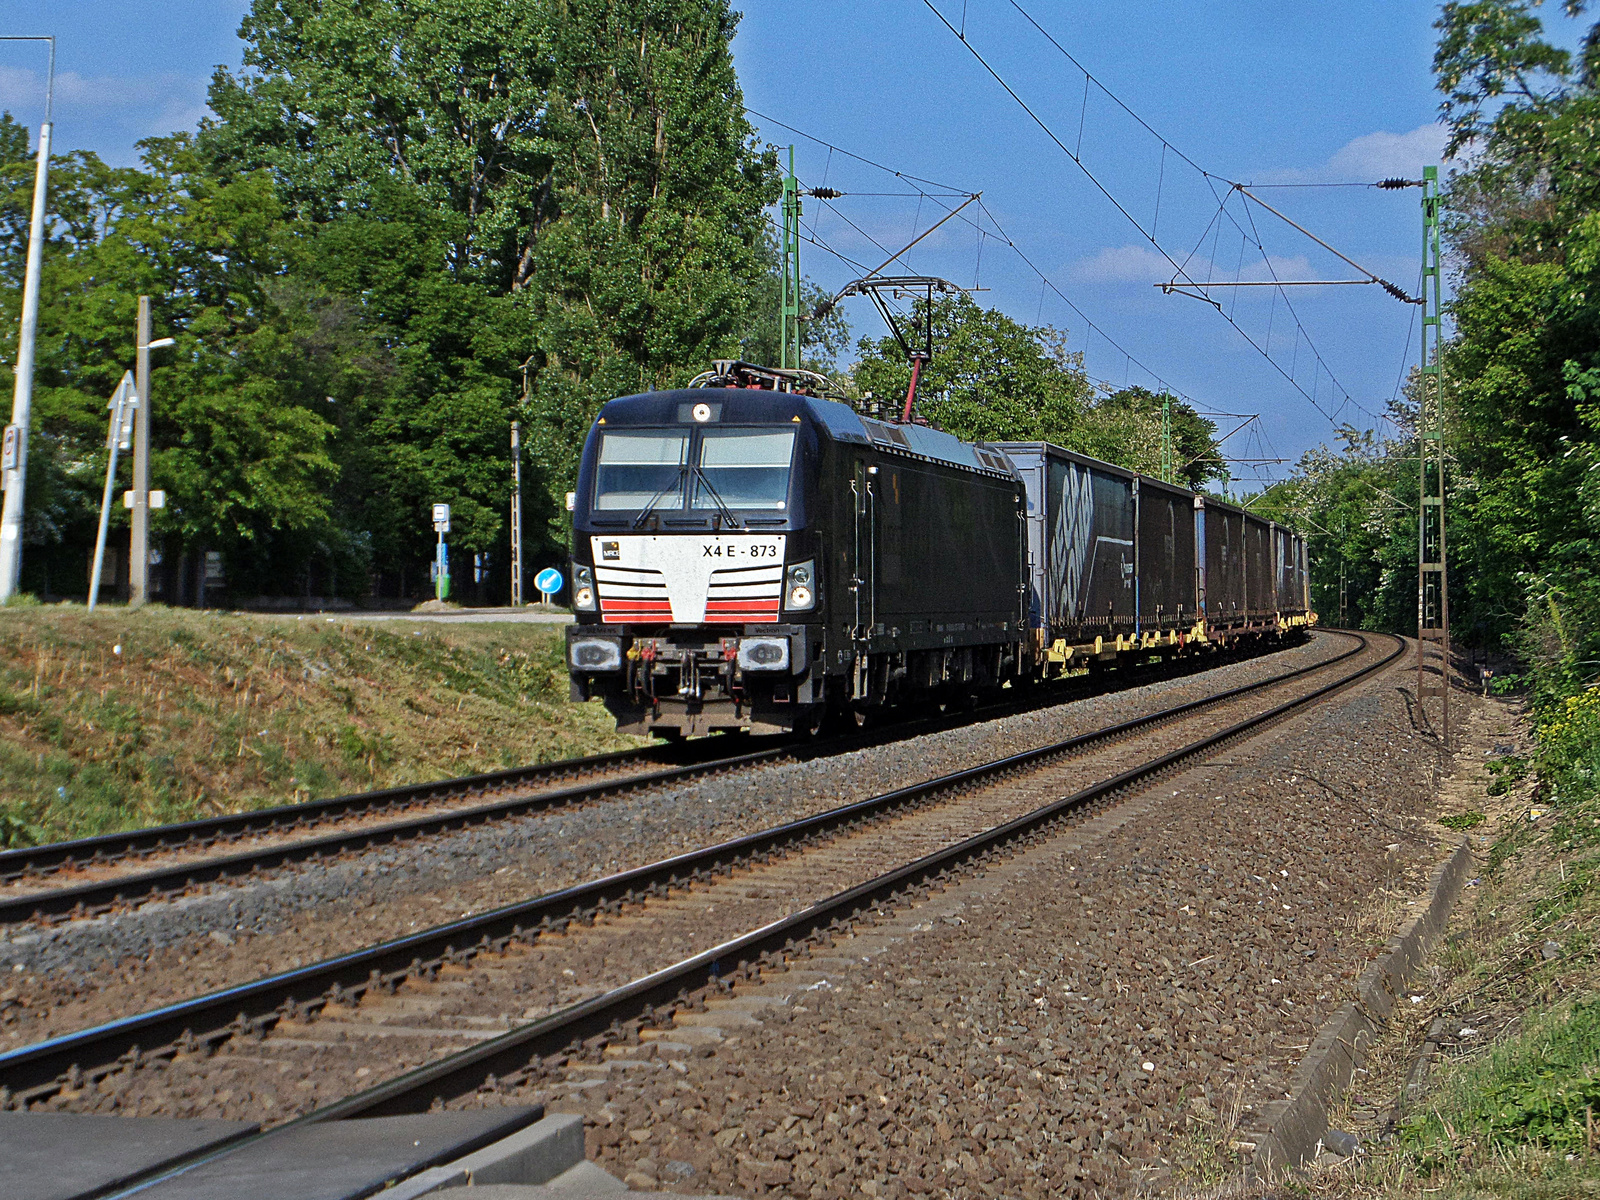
[822, 339]
[241, 447]
[1524, 226]
[1196, 456]
[544, 203]
[1356, 507]
[991, 379]
[995, 379]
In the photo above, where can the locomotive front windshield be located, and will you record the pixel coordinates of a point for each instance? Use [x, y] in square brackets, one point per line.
[637, 467]
[640, 469]
[743, 468]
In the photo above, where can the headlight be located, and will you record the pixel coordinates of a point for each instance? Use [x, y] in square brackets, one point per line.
[799, 587]
[595, 654]
[582, 588]
[764, 654]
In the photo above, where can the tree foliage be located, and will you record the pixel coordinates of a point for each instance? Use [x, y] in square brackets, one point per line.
[1525, 225]
[1521, 368]
[242, 443]
[407, 226]
[1356, 507]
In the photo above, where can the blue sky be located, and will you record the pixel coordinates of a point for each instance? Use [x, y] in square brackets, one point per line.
[1252, 92]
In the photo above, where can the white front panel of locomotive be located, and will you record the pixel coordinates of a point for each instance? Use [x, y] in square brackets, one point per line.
[689, 579]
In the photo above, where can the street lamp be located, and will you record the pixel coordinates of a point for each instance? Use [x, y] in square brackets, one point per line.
[14, 455]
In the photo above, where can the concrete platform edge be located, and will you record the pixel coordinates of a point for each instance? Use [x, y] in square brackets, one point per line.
[1288, 1131]
[533, 1155]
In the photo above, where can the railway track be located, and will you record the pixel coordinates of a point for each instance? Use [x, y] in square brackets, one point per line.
[114, 871]
[489, 982]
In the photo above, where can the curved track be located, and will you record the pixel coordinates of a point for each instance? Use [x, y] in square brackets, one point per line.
[957, 819]
[522, 792]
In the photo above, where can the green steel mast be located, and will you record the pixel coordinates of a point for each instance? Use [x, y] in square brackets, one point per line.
[1433, 596]
[1167, 472]
[789, 307]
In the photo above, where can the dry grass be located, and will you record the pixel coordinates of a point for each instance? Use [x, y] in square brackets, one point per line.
[114, 719]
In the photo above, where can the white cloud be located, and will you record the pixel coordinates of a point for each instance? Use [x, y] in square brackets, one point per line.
[1123, 264]
[1371, 157]
[159, 103]
[1296, 267]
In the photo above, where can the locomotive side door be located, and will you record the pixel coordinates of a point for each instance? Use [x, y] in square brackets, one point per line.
[863, 566]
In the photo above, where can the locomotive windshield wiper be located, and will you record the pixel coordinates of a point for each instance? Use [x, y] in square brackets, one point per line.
[727, 513]
[650, 504]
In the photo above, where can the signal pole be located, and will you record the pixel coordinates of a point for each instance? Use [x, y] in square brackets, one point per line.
[789, 306]
[1433, 591]
[1344, 580]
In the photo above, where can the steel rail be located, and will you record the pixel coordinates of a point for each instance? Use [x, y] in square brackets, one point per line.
[84, 898]
[509, 1060]
[194, 1025]
[132, 888]
[187, 835]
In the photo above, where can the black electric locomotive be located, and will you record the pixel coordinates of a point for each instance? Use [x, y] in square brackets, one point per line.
[752, 557]
[745, 558]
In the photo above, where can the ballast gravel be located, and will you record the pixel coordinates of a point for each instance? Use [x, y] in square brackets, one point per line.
[82, 973]
[1074, 1020]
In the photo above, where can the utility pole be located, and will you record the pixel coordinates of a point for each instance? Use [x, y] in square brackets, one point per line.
[789, 306]
[516, 514]
[139, 539]
[14, 446]
[1433, 593]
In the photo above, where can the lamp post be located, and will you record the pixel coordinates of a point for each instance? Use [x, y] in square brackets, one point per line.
[14, 464]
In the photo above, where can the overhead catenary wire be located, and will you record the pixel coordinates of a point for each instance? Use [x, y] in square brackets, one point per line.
[950, 192]
[1180, 269]
[913, 179]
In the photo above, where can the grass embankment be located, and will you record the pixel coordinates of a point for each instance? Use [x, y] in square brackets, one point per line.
[1512, 1109]
[114, 720]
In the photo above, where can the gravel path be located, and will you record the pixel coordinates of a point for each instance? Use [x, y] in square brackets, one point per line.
[1068, 1023]
[87, 972]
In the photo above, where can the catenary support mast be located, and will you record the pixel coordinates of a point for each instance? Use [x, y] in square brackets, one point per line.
[1433, 593]
[1167, 472]
[789, 305]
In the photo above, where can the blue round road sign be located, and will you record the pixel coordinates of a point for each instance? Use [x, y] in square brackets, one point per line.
[548, 581]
